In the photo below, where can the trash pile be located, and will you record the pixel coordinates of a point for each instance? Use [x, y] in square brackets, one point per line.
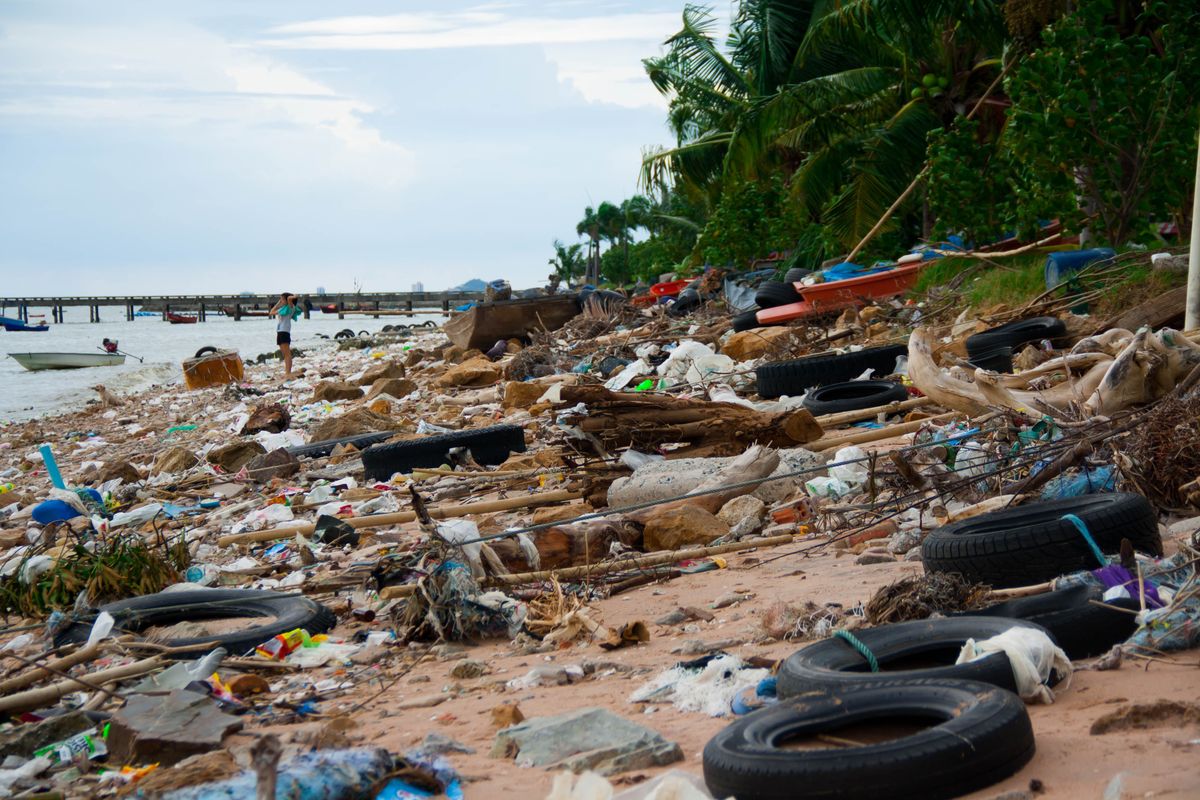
[238, 589]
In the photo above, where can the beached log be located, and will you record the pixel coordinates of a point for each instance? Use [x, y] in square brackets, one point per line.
[566, 545]
[645, 421]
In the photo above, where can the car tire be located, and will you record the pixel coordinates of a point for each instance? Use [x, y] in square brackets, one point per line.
[797, 376]
[1081, 627]
[796, 274]
[776, 293]
[980, 736]
[996, 359]
[203, 351]
[1033, 543]
[853, 396]
[344, 333]
[747, 320]
[1015, 334]
[285, 612]
[488, 446]
[835, 664]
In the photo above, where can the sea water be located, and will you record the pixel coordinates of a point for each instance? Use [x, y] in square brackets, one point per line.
[163, 346]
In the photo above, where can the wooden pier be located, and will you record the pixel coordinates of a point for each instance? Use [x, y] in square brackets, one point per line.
[375, 304]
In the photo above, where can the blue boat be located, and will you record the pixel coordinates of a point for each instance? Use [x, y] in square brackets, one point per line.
[11, 324]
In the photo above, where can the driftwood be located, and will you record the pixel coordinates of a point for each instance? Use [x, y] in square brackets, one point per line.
[566, 545]
[755, 464]
[646, 421]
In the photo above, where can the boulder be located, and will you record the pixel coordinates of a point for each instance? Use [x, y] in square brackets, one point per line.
[475, 372]
[757, 342]
[520, 394]
[275, 464]
[119, 469]
[336, 390]
[232, 457]
[273, 418]
[380, 405]
[177, 459]
[396, 387]
[166, 730]
[560, 513]
[391, 369]
[352, 423]
[685, 526]
[744, 515]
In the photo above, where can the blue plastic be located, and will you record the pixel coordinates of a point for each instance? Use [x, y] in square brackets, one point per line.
[53, 511]
[51, 466]
[1091, 480]
[1060, 266]
[318, 775]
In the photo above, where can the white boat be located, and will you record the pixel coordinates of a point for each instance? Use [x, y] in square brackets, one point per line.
[34, 361]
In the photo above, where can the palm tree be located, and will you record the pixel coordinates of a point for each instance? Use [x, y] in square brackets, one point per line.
[589, 226]
[568, 261]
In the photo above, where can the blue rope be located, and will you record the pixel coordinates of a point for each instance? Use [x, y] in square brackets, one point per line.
[1087, 537]
[852, 640]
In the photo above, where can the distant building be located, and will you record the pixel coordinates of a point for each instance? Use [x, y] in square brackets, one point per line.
[418, 287]
[320, 290]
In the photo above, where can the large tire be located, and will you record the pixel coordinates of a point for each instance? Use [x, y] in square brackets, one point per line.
[1015, 334]
[776, 293]
[795, 377]
[833, 663]
[796, 274]
[167, 608]
[1079, 626]
[1033, 543]
[488, 446]
[980, 735]
[325, 447]
[344, 333]
[852, 396]
[747, 320]
[203, 351]
[996, 359]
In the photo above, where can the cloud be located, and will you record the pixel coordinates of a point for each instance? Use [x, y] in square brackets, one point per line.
[177, 76]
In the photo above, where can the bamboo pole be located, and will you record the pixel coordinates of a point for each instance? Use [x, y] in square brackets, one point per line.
[876, 434]
[37, 698]
[895, 407]
[400, 517]
[606, 567]
[31, 677]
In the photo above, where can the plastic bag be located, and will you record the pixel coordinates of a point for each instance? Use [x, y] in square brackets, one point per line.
[1032, 655]
[456, 531]
[854, 474]
[623, 378]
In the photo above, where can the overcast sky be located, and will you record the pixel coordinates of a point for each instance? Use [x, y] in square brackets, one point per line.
[229, 145]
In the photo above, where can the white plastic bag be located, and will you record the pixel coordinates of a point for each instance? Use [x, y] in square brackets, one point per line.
[854, 474]
[625, 377]
[1032, 655]
[457, 531]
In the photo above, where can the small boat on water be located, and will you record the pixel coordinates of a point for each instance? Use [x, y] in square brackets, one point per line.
[36, 361]
[180, 319]
[11, 324]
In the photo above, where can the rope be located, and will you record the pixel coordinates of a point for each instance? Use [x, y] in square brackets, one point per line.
[1081, 526]
[852, 640]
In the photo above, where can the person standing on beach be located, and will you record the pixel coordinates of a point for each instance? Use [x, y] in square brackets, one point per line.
[287, 310]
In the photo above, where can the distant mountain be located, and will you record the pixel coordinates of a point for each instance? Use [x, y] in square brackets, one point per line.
[473, 285]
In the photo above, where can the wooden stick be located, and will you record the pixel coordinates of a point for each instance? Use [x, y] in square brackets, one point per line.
[876, 434]
[37, 698]
[844, 417]
[606, 567]
[1021, 591]
[57, 665]
[382, 520]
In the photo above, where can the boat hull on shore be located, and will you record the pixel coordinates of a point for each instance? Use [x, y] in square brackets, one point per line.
[39, 361]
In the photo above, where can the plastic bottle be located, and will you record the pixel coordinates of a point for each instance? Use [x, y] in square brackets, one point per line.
[5, 488]
[202, 574]
[278, 647]
[86, 744]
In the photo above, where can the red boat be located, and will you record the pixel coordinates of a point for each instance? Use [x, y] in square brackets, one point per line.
[876, 285]
[180, 319]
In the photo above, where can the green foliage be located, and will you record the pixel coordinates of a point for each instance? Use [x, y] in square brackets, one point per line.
[568, 262]
[1111, 99]
[1015, 281]
[751, 221]
[643, 261]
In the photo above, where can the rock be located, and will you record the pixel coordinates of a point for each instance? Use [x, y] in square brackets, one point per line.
[275, 464]
[663, 480]
[167, 729]
[335, 390]
[682, 527]
[742, 509]
[390, 370]
[273, 418]
[776, 340]
[585, 739]
[235, 455]
[380, 405]
[731, 598]
[423, 701]
[177, 459]
[352, 423]
[396, 387]
[521, 394]
[506, 715]
[913, 555]
[905, 540]
[475, 372]
[343, 452]
[469, 668]
[875, 557]
[1183, 528]
[454, 353]
[560, 513]
[119, 469]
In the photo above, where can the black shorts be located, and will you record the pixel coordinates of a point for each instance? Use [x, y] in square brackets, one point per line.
[283, 337]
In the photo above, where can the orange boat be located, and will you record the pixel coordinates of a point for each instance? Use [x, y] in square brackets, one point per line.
[801, 310]
[879, 284]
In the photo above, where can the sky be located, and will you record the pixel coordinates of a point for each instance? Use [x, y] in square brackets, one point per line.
[214, 146]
